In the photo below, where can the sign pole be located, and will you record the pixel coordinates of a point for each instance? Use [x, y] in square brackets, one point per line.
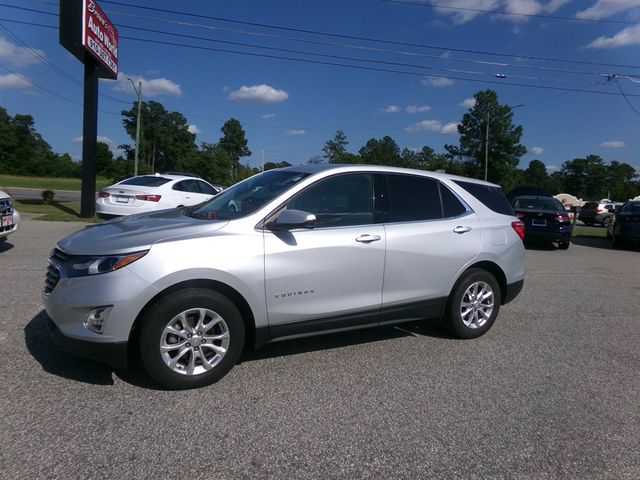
[89, 139]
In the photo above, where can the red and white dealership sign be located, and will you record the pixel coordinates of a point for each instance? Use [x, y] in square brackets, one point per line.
[99, 37]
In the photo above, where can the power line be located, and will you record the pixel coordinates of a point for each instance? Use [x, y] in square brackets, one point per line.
[502, 12]
[352, 37]
[355, 37]
[360, 67]
[333, 44]
[51, 92]
[617, 80]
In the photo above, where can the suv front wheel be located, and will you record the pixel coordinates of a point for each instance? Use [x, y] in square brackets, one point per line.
[191, 338]
[473, 304]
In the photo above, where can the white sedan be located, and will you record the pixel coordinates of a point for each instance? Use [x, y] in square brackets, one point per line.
[9, 216]
[146, 193]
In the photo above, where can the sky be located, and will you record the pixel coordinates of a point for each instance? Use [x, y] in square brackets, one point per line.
[295, 72]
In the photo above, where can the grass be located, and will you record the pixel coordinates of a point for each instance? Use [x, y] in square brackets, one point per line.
[589, 232]
[56, 212]
[49, 183]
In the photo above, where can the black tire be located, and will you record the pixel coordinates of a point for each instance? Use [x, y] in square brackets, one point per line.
[564, 243]
[463, 326]
[606, 221]
[615, 239]
[226, 322]
[588, 222]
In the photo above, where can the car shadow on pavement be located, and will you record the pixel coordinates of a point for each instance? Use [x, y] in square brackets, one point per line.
[5, 246]
[56, 361]
[599, 242]
[429, 328]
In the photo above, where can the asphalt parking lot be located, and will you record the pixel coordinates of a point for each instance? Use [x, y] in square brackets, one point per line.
[552, 391]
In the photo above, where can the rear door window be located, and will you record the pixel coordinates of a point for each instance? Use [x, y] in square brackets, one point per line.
[413, 198]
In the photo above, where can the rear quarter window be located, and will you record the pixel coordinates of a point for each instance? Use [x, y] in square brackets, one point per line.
[492, 197]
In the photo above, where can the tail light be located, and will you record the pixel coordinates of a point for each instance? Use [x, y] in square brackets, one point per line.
[519, 214]
[599, 209]
[562, 218]
[519, 228]
[103, 194]
[149, 198]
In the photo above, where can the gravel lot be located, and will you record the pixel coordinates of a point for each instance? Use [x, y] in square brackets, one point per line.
[552, 391]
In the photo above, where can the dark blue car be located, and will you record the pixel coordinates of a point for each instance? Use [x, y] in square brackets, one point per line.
[545, 220]
[626, 223]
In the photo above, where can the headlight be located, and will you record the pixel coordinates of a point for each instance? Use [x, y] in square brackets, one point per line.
[94, 265]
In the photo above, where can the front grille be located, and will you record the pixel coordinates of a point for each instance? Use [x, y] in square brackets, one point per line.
[52, 278]
[53, 272]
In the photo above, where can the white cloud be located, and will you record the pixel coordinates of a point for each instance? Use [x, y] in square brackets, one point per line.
[612, 144]
[18, 56]
[194, 129]
[450, 128]
[258, 94]
[537, 150]
[11, 80]
[437, 81]
[606, 8]
[296, 133]
[628, 36]
[110, 143]
[468, 103]
[433, 126]
[150, 88]
[417, 108]
[389, 109]
[470, 9]
[268, 116]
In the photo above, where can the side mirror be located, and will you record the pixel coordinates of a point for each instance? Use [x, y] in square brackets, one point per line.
[292, 219]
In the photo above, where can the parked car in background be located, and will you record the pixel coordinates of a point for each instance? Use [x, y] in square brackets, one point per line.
[625, 223]
[9, 216]
[545, 220]
[146, 193]
[597, 212]
[286, 253]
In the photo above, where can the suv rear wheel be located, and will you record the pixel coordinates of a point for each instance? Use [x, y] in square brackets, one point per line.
[473, 304]
[191, 338]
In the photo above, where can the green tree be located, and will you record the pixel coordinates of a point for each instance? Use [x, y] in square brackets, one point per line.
[335, 150]
[272, 165]
[165, 141]
[585, 177]
[621, 181]
[381, 152]
[504, 148]
[104, 159]
[234, 143]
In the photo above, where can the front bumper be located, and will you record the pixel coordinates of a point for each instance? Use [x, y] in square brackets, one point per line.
[113, 354]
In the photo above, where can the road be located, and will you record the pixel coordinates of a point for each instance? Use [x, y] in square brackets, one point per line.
[550, 392]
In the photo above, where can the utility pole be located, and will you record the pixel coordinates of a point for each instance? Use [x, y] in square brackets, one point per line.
[486, 149]
[139, 95]
[262, 168]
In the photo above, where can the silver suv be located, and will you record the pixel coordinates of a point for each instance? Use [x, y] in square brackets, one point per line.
[284, 254]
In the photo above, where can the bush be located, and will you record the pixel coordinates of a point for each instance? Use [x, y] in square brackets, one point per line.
[47, 196]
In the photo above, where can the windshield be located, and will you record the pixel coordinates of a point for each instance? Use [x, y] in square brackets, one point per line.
[149, 181]
[246, 197]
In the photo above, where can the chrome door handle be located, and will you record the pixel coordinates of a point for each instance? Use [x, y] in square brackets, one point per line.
[461, 229]
[366, 238]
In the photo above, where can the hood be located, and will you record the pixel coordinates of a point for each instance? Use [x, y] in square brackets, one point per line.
[136, 232]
